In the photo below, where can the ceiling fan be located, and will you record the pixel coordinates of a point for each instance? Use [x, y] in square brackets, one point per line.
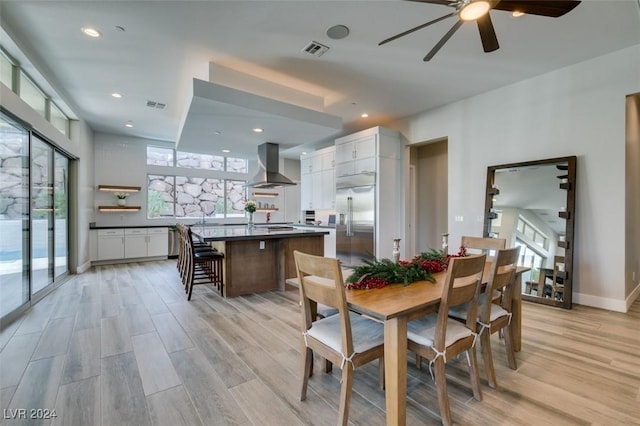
[478, 10]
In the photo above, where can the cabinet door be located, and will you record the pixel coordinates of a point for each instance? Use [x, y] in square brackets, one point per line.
[157, 242]
[305, 192]
[328, 160]
[135, 243]
[306, 164]
[345, 169]
[366, 147]
[316, 191]
[365, 165]
[328, 190]
[345, 152]
[110, 244]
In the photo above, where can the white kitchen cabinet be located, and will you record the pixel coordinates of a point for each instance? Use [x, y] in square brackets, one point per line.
[135, 243]
[157, 242]
[145, 242]
[318, 180]
[110, 244]
[356, 156]
[131, 243]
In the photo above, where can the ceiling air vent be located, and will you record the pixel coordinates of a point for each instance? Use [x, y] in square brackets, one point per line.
[157, 105]
[316, 49]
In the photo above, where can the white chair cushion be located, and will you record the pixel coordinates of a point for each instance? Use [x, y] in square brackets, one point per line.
[366, 333]
[326, 311]
[460, 312]
[422, 331]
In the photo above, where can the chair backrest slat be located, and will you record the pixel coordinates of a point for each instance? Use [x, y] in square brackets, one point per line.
[501, 277]
[462, 285]
[483, 245]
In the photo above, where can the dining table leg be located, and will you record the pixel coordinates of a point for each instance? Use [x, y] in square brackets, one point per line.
[395, 364]
[516, 314]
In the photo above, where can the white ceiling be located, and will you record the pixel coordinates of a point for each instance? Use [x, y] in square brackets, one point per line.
[166, 44]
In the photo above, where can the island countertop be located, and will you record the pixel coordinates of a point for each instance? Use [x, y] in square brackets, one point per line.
[258, 232]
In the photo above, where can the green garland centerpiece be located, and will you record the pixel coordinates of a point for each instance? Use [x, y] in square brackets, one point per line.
[378, 273]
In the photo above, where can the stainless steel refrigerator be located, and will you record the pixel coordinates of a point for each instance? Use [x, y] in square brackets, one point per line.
[355, 218]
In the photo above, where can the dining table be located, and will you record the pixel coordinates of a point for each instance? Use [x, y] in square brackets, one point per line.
[397, 304]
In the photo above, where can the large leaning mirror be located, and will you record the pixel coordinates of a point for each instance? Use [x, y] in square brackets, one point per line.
[532, 205]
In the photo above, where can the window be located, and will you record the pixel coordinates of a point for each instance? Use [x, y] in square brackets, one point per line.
[192, 160]
[212, 190]
[6, 71]
[198, 197]
[160, 193]
[237, 165]
[532, 234]
[157, 156]
[58, 119]
[32, 95]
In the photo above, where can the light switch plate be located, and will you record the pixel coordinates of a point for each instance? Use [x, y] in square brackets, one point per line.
[261, 245]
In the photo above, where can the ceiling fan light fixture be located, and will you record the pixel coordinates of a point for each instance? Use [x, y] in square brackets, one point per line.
[474, 10]
[517, 14]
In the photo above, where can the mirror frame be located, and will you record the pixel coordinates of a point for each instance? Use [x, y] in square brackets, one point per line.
[569, 216]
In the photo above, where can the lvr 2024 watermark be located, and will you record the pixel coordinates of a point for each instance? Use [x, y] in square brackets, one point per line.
[28, 413]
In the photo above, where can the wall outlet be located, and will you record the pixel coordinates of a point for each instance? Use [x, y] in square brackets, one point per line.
[261, 245]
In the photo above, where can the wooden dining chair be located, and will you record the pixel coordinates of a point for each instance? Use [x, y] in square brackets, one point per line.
[438, 338]
[345, 339]
[493, 317]
[489, 246]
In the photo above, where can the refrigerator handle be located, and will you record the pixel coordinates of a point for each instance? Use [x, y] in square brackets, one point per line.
[349, 216]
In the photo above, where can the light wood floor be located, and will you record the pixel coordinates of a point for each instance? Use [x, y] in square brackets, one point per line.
[121, 345]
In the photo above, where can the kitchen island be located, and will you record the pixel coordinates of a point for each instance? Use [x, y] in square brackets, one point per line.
[259, 258]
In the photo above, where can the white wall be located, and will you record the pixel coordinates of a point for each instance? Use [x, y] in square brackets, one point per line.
[121, 160]
[578, 110]
[82, 196]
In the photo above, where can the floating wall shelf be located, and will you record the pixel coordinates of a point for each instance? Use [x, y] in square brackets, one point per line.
[564, 215]
[267, 210]
[565, 185]
[119, 208]
[118, 188]
[265, 194]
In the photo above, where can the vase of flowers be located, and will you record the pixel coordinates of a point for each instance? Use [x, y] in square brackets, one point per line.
[121, 197]
[250, 207]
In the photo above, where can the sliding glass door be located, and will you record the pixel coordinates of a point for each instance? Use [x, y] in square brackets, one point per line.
[42, 224]
[14, 216]
[60, 209]
[34, 200]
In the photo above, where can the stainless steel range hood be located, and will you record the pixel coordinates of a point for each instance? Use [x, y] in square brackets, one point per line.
[269, 175]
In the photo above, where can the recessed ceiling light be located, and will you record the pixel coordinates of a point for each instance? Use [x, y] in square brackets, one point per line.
[226, 151]
[129, 124]
[517, 14]
[304, 152]
[116, 95]
[217, 132]
[91, 32]
[364, 115]
[258, 130]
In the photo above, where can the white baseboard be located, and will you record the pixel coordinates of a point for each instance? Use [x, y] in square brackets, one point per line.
[600, 302]
[633, 296]
[83, 268]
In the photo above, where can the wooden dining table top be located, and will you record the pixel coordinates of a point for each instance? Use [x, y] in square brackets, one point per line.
[396, 300]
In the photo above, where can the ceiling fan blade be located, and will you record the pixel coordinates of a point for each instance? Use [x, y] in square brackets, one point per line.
[552, 9]
[443, 40]
[442, 2]
[419, 27]
[488, 34]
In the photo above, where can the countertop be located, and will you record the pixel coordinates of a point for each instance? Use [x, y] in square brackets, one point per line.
[227, 233]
